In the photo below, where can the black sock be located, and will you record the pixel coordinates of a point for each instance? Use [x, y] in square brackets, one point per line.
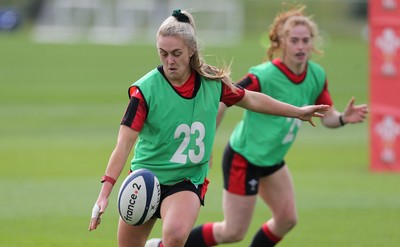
[264, 238]
[201, 236]
[195, 238]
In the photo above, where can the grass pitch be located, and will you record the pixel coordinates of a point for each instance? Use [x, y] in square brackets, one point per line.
[60, 107]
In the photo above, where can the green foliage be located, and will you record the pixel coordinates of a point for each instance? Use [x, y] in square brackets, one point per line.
[60, 107]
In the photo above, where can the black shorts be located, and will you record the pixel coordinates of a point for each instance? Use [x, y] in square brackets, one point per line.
[240, 176]
[167, 190]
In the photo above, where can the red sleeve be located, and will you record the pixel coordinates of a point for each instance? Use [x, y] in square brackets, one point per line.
[250, 82]
[324, 97]
[230, 96]
[136, 112]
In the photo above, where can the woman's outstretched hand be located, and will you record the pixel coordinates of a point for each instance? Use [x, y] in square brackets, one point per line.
[310, 111]
[355, 113]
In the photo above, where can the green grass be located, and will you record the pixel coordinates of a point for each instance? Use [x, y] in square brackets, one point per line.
[60, 107]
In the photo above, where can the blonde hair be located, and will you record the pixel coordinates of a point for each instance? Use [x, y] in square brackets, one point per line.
[284, 22]
[187, 30]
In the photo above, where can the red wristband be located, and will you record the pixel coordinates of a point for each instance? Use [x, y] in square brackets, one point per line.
[108, 179]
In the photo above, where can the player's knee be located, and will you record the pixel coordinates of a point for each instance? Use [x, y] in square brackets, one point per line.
[289, 222]
[293, 221]
[234, 234]
[174, 238]
[234, 238]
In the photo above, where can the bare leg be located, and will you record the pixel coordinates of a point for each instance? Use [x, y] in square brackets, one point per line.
[278, 192]
[238, 211]
[179, 213]
[134, 236]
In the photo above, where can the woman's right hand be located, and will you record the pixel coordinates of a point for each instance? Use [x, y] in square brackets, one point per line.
[98, 209]
[310, 111]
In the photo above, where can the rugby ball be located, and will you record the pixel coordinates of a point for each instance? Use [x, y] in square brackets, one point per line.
[138, 197]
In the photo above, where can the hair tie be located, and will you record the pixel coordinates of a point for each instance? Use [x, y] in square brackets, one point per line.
[180, 16]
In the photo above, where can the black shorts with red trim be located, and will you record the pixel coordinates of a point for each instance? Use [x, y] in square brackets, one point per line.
[186, 185]
[242, 177]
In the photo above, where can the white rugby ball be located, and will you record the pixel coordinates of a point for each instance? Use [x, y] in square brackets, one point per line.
[138, 197]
